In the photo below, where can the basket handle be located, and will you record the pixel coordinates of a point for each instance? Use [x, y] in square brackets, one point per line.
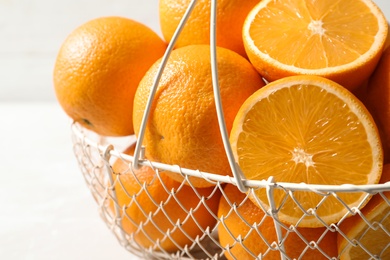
[153, 90]
[237, 173]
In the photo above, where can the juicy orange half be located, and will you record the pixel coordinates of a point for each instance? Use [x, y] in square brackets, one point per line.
[368, 234]
[341, 40]
[307, 129]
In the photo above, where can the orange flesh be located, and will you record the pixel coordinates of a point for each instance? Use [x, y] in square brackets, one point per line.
[304, 143]
[376, 240]
[314, 35]
[311, 130]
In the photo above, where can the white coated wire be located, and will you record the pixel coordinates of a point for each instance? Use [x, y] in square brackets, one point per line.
[237, 173]
[319, 188]
[137, 160]
[238, 178]
[153, 90]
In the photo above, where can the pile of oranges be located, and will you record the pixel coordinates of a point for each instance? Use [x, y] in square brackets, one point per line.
[305, 93]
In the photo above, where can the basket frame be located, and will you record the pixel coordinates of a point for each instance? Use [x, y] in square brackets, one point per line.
[244, 185]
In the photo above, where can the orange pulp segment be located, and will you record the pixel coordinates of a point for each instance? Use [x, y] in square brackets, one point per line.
[371, 232]
[341, 40]
[307, 129]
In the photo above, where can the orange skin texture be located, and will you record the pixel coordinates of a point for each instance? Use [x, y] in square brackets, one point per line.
[98, 69]
[137, 203]
[350, 79]
[182, 127]
[378, 99]
[361, 92]
[252, 214]
[230, 18]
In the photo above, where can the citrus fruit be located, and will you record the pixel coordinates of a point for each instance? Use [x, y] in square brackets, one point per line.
[158, 212]
[378, 97]
[97, 71]
[361, 92]
[340, 40]
[247, 222]
[230, 18]
[371, 233]
[182, 127]
[387, 42]
[307, 129]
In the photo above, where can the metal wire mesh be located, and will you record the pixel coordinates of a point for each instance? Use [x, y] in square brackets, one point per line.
[148, 238]
[96, 157]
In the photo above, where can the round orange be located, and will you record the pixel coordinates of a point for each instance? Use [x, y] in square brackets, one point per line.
[246, 221]
[378, 98]
[182, 127]
[155, 210]
[98, 69]
[387, 43]
[230, 18]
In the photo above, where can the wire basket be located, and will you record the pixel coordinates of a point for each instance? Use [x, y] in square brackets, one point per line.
[96, 156]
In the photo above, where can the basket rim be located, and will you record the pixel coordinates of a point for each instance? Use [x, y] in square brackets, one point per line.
[109, 150]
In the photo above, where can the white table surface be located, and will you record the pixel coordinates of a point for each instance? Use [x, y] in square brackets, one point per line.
[46, 210]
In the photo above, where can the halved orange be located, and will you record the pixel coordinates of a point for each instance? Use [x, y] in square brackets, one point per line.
[340, 40]
[307, 129]
[369, 235]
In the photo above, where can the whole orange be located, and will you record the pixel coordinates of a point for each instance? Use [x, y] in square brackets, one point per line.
[378, 99]
[98, 69]
[182, 127]
[230, 18]
[242, 219]
[155, 210]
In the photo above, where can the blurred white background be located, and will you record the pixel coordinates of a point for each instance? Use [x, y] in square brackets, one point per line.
[31, 32]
